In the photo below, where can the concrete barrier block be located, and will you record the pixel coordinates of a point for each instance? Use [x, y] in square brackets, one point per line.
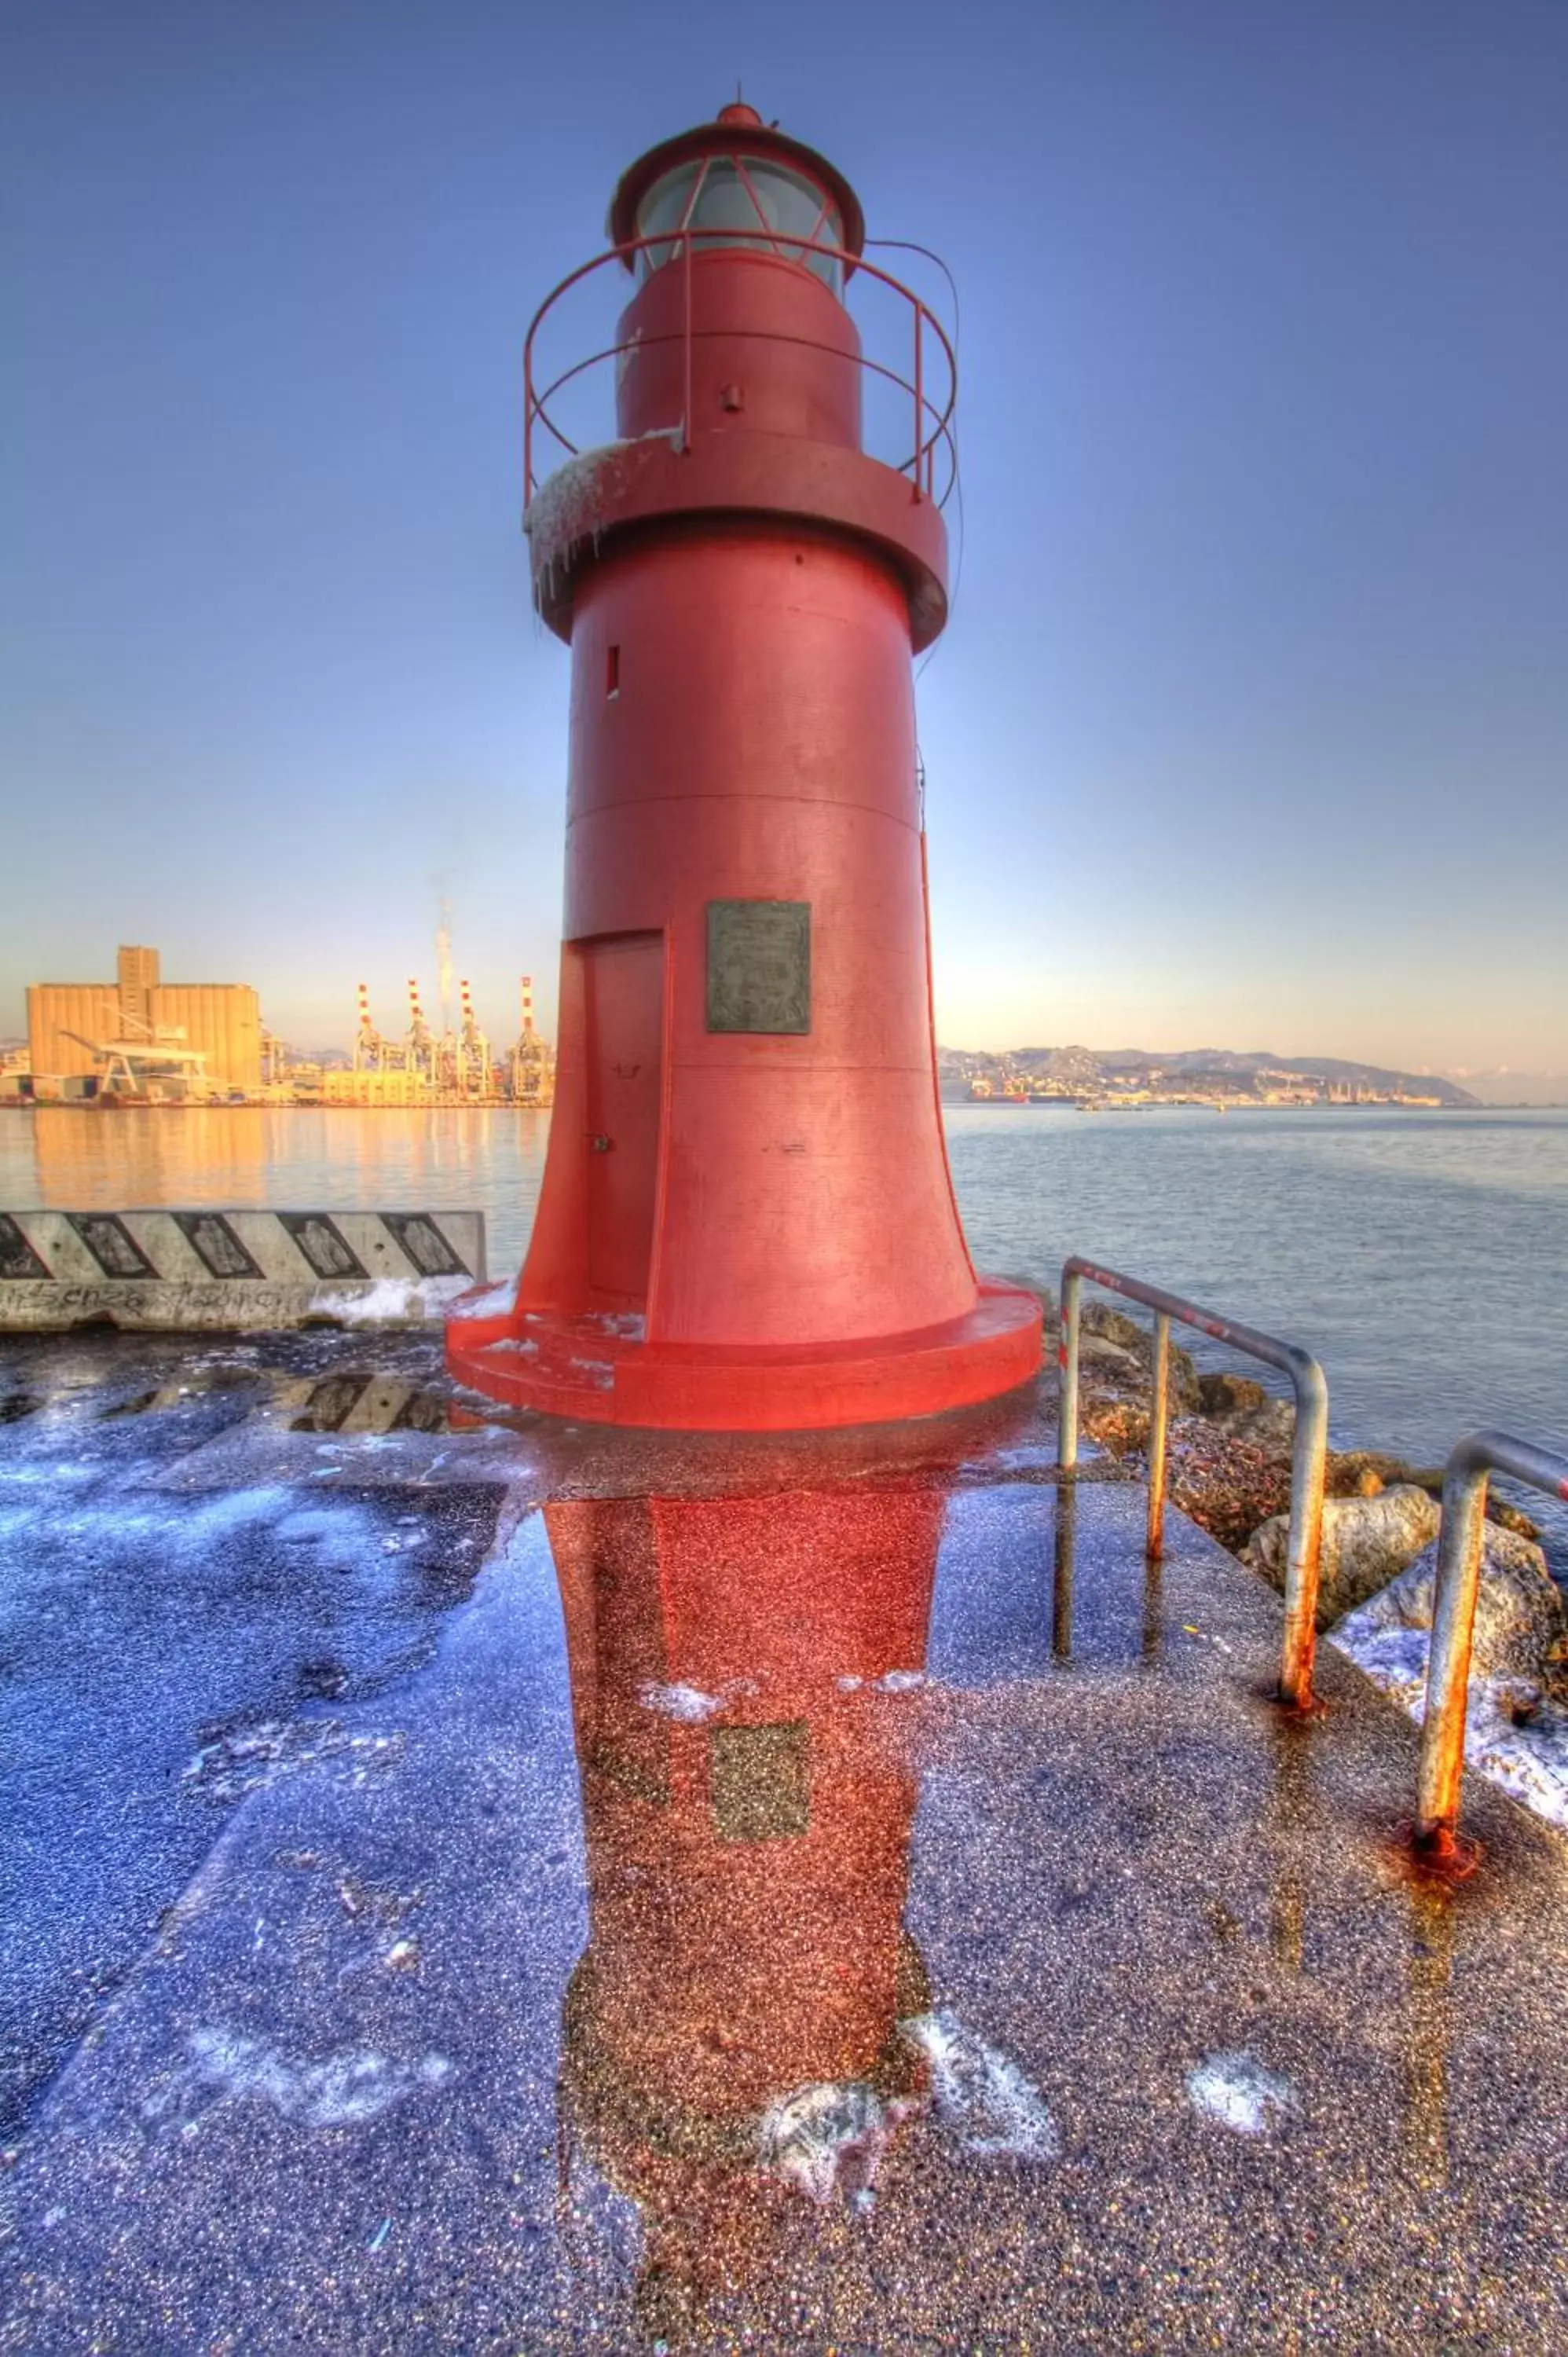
[228, 1270]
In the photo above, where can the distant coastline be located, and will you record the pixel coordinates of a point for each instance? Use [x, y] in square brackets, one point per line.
[1177, 1104]
[1225, 1078]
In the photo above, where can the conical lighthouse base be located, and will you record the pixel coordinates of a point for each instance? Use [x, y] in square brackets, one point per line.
[594, 1370]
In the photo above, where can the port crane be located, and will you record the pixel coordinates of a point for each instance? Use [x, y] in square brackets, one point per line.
[457, 1067]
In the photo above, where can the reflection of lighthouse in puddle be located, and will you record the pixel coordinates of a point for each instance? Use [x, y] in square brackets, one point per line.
[750, 2023]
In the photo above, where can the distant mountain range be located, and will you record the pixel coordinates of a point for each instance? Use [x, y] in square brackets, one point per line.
[1256, 1074]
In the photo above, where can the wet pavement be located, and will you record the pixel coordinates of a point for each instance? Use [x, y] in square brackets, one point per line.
[488, 1887]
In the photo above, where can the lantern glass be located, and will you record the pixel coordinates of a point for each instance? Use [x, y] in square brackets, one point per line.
[747, 194]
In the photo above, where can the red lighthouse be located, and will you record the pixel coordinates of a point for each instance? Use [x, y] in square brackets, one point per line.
[746, 1220]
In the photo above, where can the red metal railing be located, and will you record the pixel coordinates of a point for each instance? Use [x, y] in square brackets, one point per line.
[932, 423]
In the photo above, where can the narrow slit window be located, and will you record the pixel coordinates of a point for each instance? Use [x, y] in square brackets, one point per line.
[612, 671]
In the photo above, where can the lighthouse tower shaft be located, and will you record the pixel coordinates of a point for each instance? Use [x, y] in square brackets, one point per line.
[746, 1218]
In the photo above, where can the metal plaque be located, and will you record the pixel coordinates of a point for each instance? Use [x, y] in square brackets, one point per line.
[759, 965]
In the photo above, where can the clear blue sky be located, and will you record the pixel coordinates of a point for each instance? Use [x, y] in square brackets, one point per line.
[1251, 725]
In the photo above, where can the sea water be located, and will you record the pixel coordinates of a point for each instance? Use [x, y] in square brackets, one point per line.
[1421, 1256]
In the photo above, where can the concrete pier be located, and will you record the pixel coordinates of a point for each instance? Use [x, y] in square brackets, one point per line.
[214, 1271]
[478, 1886]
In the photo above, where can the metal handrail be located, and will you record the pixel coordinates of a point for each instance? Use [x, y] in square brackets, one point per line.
[1466, 1475]
[940, 432]
[1308, 1457]
[923, 458]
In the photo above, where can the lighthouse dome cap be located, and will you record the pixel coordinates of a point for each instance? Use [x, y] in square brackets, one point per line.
[737, 129]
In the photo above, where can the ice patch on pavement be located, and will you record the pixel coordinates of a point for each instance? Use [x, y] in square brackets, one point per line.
[690, 1704]
[1240, 2093]
[893, 1682]
[45, 1473]
[187, 1531]
[497, 1301]
[341, 1537]
[353, 2084]
[980, 2095]
[245, 1758]
[829, 2140]
[390, 1301]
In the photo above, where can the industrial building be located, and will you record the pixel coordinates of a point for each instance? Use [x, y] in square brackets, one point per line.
[143, 1036]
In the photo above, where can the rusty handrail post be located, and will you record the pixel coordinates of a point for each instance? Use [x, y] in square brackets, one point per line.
[1303, 1545]
[1159, 1413]
[1066, 1363]
[1460, 1538]
[1308, 1457]
[1062, 1570]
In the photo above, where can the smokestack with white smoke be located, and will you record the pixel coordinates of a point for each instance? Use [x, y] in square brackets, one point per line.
[444, 963]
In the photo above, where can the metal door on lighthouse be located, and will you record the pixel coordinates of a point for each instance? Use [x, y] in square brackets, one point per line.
[624, 1007]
